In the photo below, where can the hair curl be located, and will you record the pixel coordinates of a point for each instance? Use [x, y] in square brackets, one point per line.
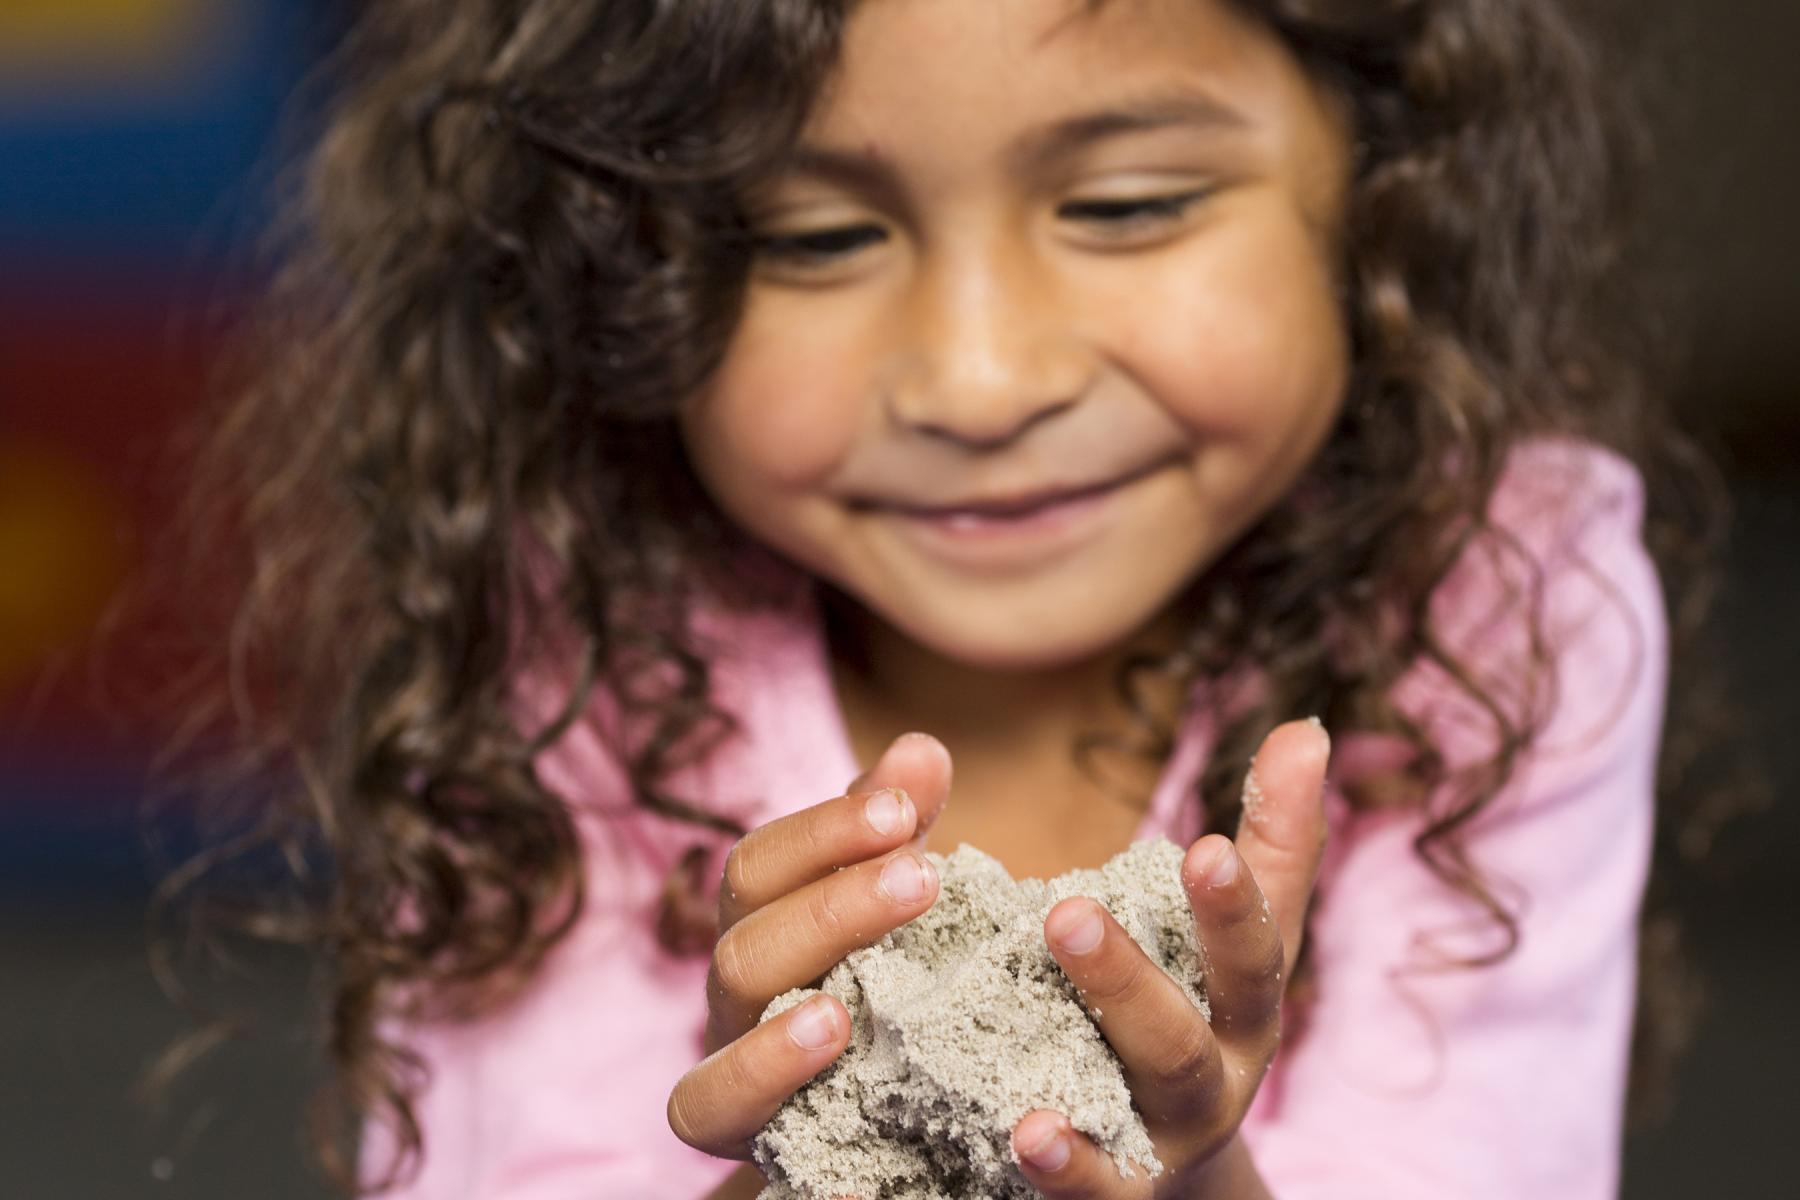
[517, 246]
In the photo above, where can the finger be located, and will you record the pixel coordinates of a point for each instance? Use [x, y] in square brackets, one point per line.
[921, 765]
[1281, 835]
[1245, 961]
[779, 858]
[1063, 1164]
[792, 941]
[1172, 1062]
[793, 851]
[729, 1095]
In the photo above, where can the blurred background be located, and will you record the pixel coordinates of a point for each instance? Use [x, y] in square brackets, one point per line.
[137, 142]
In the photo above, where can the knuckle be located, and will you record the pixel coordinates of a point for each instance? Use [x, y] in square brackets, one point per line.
[826, 912]
[1265, 969]
[1124, 984]
[1190, 1063]
[730, 978]
[816, 841]
[1267, 1042]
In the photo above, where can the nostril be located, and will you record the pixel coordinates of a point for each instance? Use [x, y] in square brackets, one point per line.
[974, 433]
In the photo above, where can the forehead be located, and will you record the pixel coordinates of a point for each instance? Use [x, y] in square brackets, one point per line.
[964, 71]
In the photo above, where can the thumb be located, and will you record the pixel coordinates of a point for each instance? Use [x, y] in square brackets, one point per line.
[1281, 834]
[919, 765]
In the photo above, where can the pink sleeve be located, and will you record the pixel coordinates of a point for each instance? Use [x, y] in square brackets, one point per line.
[562, 1094]
[1509, 1080]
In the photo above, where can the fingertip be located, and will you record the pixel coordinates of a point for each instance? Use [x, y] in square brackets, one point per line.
[942, 753]
[1042, 1139]
[1075, 924]
[1294, 755]
[818, 1023]
[932, 779]
[1321, 738]
[1310, 731]
[888, 762]
[1306, 739]
[922, 761]
[888, 811]
[917, 741]
[1211, 862]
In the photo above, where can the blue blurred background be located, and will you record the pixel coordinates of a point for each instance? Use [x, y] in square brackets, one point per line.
[138, 139]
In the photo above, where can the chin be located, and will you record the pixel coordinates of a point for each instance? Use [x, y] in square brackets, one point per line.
[1006, 641]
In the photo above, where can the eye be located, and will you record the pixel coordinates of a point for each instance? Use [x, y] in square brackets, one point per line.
[823, 246]
[1128, 213]
[818, 246]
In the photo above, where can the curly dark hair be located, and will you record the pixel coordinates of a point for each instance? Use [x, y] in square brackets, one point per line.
[451, 453]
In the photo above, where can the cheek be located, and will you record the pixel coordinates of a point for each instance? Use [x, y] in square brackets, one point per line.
[780, 412]
[1256, 353]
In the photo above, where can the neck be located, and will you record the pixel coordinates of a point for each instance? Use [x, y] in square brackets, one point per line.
[999, 726]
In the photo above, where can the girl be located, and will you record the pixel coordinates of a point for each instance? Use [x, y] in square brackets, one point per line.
[676, 401]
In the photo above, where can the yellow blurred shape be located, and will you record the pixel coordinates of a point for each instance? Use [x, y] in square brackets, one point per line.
[61, 555]
[94, 29]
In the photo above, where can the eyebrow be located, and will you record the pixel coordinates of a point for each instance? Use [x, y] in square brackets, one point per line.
[1039, 148]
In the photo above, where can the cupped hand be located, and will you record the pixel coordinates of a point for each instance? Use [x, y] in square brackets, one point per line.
[1192, 1081]
[800, 893]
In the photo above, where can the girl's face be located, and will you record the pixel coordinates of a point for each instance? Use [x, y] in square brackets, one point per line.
[1023, 250]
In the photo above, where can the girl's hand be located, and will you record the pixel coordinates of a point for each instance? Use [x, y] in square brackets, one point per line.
[1192, 1081]
[799, 894]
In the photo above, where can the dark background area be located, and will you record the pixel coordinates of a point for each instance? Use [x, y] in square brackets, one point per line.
[136, 137]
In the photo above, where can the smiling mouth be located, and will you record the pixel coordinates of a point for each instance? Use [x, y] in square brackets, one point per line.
[1024, 505]
[1012, 540]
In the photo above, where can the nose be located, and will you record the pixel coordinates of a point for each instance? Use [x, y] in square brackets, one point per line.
[991, 350]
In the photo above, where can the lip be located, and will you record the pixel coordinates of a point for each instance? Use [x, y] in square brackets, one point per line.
[1026, 536]
[1018, 506]
[1021, 504]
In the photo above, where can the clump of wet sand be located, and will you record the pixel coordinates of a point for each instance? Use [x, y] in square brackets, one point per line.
[961, 1023]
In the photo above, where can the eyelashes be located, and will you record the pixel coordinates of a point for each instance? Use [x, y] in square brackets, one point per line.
[823, 245]
[1119, 212]
[1112, 216]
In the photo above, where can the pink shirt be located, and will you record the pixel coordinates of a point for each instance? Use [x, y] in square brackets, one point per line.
[1498, 1082]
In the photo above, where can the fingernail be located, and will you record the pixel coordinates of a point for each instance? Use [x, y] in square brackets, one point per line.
[907, 879]
[1220, 869]
[1051, 1153]
[814, 1024]
[884, 811]
[1323, 732]
[1077, 929]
